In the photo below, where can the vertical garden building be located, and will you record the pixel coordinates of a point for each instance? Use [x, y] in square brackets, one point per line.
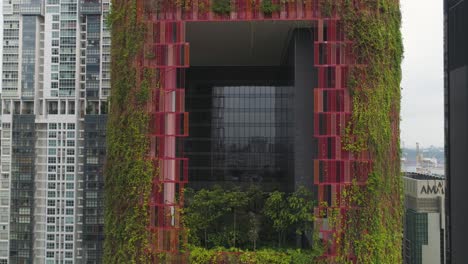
[232, 92]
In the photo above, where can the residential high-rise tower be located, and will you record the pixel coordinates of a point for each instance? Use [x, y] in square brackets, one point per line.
[55, 85]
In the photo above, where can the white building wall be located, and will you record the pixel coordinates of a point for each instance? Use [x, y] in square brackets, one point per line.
[431, 251]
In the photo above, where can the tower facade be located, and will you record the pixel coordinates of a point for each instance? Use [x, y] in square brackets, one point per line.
[55, 85]
[334, 68]
[456, 61]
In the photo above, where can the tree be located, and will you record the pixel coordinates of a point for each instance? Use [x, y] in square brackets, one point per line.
[301, 208]
[255, 226]
[203, 210]
[277, 209]
[235, 200]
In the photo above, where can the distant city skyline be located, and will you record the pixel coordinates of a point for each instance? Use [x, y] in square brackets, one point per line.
[422, 110]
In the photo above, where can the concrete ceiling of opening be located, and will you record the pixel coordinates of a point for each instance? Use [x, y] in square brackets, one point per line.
[261, 43]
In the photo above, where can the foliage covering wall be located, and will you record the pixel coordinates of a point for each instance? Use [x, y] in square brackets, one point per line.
[374, 233]
[128, 174]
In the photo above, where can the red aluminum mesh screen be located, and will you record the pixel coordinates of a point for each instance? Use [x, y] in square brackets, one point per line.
[167, 53]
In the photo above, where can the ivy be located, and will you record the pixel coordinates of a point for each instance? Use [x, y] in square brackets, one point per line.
[373, 233]
[221, 7]
[268, 7]
[128, 174]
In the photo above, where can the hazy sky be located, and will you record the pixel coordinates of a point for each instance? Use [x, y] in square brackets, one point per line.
[422, 109]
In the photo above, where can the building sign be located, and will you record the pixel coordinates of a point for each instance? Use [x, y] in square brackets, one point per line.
[435, 188]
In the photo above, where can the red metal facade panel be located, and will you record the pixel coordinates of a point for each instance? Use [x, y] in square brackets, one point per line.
[166, 52]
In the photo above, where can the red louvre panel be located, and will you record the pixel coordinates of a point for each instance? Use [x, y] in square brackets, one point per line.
[331, 30]
[166, 56]
[326, 77]
[329, 123]
[329, 147]
[169, 124]
[329, 100]
[170, 166]
[168, 239]
[159, 147]
[169, 78]
[162, 100]
[165, 32]
[159, 198]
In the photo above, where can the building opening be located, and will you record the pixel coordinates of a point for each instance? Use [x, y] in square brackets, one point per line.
[249, 92]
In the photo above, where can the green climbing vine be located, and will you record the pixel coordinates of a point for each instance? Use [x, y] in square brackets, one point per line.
[128, 174]
[221, 7]
[374, 232]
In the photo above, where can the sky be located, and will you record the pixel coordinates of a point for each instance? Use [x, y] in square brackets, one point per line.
[422, 106]
[422, 111]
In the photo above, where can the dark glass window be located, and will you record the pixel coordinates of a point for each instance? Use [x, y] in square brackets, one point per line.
[240, 133]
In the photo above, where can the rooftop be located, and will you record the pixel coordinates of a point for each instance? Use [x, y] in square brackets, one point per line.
[420, 176]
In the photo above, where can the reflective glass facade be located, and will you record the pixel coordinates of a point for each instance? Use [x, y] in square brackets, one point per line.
[240, 126]
[240, 134]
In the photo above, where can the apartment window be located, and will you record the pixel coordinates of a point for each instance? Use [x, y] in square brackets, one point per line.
[68, 237]
[6, 150]
[70, 185]
[24, 211]
[68, 246]
[50, 202]
[51, 211]
[68, 228]
[70, 203]
[71, 108]
[52, 151]
[53, 126]
[51, 177]
[52, 160]
[70, 177]
[70, 169]
[50, 254]
[52, 108]
[51, 220]
[70, 126]
[71, 134]
[51, 185]
[50, 245]
[68, 254]
[24, 219]
[70, 194]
